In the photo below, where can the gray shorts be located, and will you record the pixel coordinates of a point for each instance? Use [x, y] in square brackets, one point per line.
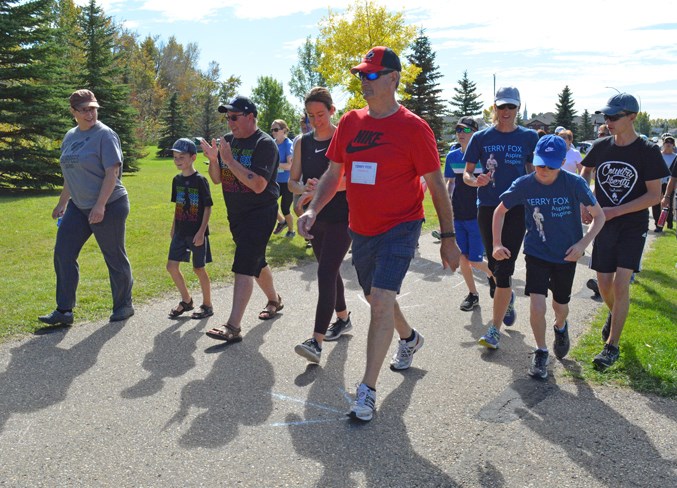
[181, 248]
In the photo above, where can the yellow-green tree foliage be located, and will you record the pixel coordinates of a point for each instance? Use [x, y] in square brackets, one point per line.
[345, 38]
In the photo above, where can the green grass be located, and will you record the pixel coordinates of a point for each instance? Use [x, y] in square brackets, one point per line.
[28, 281]
[648, 361]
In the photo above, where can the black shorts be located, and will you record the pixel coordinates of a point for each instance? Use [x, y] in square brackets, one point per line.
[181, 248]
[514, 228]
[543, 275]
[251, 234]
[619, 245]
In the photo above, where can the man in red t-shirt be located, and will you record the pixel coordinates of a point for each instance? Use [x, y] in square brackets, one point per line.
[383, 150]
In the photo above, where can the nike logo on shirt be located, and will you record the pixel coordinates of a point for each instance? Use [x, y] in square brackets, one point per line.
[322, 149]
[365, 139]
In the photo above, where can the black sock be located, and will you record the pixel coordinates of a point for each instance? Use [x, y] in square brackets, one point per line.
[411, 337]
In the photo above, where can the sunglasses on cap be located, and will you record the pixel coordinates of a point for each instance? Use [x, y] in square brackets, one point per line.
[460, 129]
[373, 76]
[614, 118]
[509, 106]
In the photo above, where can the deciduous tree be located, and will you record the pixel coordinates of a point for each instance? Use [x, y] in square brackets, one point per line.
[268, 95]
[304, 74]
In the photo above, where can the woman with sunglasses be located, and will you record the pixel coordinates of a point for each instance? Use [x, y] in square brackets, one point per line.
[330, 232]
[93, 201]
[505, 152]
[279, 131]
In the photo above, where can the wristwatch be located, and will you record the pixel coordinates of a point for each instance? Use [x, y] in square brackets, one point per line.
[444, 235]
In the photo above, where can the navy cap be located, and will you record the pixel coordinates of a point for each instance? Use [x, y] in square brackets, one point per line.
[507, 94]
[239, 104]
[623, 102]
[550, 151]
[184, 145]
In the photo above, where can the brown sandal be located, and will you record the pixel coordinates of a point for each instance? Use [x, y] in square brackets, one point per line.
[266, 314]
[181, 308]
[226, 333]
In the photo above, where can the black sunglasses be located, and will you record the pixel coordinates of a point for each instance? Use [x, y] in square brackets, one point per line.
[614, 118]
[509, 106]
[275, 129]
[233, 118]
[373, 76]
[467, 130]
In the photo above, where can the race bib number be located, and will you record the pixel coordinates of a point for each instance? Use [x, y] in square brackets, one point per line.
[363, 173]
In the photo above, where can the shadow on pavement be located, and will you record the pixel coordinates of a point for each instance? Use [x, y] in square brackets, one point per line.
[40, 372]
[380, 450]
[238, 390]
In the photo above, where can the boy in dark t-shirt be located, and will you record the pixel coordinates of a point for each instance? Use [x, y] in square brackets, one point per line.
[554, 240]
[628, 172]
[190, 229]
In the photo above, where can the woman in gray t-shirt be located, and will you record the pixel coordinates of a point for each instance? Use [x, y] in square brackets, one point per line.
[93, 201]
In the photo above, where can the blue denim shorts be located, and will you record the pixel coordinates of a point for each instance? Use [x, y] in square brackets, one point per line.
[382, 261]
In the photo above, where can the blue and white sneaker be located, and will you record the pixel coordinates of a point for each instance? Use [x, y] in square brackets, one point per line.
[491, 339]
[511, 313]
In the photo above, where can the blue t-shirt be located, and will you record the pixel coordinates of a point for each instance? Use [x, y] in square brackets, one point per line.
[285, 149]
[504, 153]
[464, 197]
[552, 213]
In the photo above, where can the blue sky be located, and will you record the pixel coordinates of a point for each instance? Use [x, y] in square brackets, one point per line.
[539, 47]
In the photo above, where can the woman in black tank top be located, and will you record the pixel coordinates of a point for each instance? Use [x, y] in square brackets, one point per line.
[330, 240]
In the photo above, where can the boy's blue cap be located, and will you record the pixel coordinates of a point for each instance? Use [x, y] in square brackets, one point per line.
[550, 151]
[185, 145]
[623, 102]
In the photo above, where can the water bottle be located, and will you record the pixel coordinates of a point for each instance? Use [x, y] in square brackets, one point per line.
[663, 217]
[58, 221]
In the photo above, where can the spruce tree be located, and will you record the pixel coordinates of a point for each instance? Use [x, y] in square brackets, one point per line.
[103, 74]
[424, 95]
[33, 103]
[564, 111]
[465, 102]
[174, 126]
[585, 130]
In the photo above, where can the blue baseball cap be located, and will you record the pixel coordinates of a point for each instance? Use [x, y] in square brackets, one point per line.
[185, 145]
[623, 102]
[507, 94]
[550, 151]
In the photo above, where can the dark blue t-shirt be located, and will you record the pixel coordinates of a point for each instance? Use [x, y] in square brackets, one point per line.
[464, 197]
[552, 213]
[504, 153]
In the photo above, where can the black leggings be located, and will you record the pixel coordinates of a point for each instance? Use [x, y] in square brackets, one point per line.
[656, 209]
[287, 199]
[512, 236]
[330, 242]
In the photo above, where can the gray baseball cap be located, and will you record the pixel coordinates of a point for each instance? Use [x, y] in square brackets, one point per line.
[623, 102]
[507, 94]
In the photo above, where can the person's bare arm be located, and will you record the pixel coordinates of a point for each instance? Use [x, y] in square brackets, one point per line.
[575, 252]
[449, 251]
[109, 181]
[649, 199]
[325, 191]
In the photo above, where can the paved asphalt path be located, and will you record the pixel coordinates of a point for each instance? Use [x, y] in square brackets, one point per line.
[154, 402]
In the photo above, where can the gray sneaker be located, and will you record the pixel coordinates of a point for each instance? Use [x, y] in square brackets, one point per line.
[338, 328]
[539, 363]
[470, 302]
[405, 352]
[561, 344]
[364, 406]
[57, 318]
[310, 350]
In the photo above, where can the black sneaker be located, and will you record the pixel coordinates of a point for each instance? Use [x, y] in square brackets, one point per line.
[607, 357]
[561, 344]
[470, 302]
[606, 330]
[57, 318]
[492, 287]
[310, 350]
[338, 328]
[592, 285]
[539, 363]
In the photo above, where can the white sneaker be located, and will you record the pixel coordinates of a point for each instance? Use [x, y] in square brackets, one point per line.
[405, 352]
[364, 405]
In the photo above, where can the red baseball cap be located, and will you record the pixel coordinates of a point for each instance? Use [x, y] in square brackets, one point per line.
[378, 58]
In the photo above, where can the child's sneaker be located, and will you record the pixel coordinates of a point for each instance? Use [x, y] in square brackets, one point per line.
[491, 339]
[470, 302]
[405, 352]
[539, 364]
[364, 406]
[510, 314]
[562, 343]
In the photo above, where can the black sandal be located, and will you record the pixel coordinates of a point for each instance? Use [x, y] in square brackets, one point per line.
[266, 314]
[184, 307]
[203, 312]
